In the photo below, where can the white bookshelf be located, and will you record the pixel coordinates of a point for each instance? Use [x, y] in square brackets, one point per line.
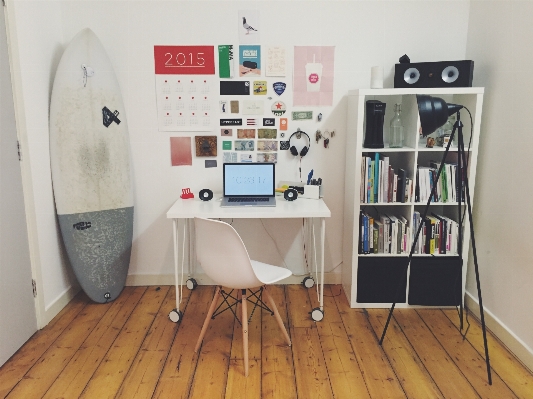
[406, 158]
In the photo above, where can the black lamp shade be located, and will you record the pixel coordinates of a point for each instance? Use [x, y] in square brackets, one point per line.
[434, 112]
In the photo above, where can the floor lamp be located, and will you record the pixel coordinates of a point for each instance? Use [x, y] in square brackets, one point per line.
[434, 112]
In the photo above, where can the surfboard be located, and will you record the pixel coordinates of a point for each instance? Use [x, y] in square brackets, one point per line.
[91, 167]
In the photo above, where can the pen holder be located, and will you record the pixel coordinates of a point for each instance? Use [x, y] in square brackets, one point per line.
[312, 191]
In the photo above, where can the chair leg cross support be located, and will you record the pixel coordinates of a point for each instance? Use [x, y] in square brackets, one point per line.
[243, 300]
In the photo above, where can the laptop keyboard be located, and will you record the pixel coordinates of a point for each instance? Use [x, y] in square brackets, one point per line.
[247, 199]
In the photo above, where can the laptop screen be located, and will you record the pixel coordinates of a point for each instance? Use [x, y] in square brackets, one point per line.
[249, 179]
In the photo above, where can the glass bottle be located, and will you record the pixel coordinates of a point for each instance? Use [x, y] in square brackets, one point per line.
[448, 128]
[396, 128]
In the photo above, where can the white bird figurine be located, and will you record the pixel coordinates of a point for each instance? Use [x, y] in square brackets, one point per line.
[246, 26]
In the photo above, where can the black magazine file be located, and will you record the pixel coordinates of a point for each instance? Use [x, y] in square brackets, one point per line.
[378, 279]
[435, 281]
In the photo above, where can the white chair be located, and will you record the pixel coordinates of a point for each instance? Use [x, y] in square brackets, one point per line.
[225, 260]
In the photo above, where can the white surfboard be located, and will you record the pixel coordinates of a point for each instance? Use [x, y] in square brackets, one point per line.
[91, 167]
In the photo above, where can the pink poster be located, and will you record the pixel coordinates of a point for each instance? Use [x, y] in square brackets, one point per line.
[180, 151]
[313, 75]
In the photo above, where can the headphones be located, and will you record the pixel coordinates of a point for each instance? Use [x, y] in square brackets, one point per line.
[305, 149]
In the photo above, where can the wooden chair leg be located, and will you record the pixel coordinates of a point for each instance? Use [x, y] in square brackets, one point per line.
[207, 319]
[245, 331]
[276, 315]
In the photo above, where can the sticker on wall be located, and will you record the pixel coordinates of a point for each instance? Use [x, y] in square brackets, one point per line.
[251, 122]
[248, 26]
[267, 133]
[284, 145]
[246, 133]
[253, 107]
[180, 151]
[229, 157]
[234, 105]
[269, 121]
[278, 108]
[210, 163]
[247, 157]
[226, 145]
[267, 157]
[267, 145]
[279, 88]
[313, 75]
[225, 61]
[234, 88]
[230, 122]
[260, 87]
[226, 132]
[223, 107]
[283, 123]
[275, 61]
[206, 146]
[249, 60]
[244, 145]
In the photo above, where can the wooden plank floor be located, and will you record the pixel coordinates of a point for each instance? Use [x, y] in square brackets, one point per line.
[130, 349]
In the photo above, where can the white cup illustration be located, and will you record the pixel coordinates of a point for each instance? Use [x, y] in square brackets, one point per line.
[313, 72]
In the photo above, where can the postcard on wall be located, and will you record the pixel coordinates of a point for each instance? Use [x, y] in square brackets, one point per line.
[249, 60]
[225, 61]
[206, 146]
[313, 75]
[253, 107]
[267, 133]
[246, 133]
[267, 145]
[244, 145]
[186, 103]
[180, 151]
[246, 157]
[276, 61]
[260, 88]
[267, 157]
[249, 27]
[226, 132]
[229, 157]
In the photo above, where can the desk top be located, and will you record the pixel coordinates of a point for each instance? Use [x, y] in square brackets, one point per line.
[301, 208]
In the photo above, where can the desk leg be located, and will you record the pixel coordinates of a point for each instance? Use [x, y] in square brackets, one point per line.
[317, 314]
[175, 315]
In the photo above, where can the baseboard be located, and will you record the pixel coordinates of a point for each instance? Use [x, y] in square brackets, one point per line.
[59, 303]
[202, 279]
[515, 345]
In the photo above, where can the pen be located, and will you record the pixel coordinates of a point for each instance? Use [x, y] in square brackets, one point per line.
[309, 176]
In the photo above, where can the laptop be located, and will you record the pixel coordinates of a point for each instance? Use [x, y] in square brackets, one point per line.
[248, 184]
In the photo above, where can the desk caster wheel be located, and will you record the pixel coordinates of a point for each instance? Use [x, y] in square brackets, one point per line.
[317, 314]
[191, 284]
[175, 315]
[308, 282]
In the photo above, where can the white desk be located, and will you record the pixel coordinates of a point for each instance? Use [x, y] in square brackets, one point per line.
[186, 210]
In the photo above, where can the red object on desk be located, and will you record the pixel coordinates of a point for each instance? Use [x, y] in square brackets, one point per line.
[186, 193]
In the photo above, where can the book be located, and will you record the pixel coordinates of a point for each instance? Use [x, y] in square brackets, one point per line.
[401, 185]
[378, 226]
[376, 176]
[385, 174]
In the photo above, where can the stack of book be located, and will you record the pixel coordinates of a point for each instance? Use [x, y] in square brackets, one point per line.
[384, 234]
[380, 183]
[438, 235]
[447, 185]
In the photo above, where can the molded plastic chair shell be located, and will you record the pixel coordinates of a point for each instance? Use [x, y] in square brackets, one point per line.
[225, 260]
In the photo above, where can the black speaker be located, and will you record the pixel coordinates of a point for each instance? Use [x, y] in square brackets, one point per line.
[206, 194]
[290, 194]
[434, 74]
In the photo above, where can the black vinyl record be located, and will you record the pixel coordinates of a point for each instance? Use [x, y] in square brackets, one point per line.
[290, 194]
[206, 194]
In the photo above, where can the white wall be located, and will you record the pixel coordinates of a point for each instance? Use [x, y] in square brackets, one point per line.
[365, 33]
[499, 40]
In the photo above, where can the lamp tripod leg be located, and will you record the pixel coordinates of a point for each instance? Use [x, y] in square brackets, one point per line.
[474, 253]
